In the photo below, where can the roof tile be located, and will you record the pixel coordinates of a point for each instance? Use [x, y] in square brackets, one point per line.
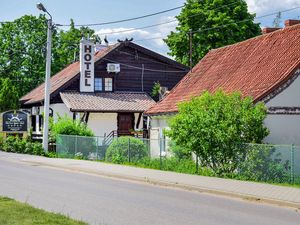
[254, 67]
[107, 101]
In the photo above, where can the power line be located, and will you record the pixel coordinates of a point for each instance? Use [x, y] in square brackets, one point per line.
[259, 17]
[124, 20]
[140, 68]
[163, 23]
[171, 21]
[224, 25]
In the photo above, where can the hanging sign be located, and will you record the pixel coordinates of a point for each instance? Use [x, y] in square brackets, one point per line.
[14, 121]
[86, 66]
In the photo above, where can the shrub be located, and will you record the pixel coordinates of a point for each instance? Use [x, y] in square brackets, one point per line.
[124, 149]
[68, 126]
[213, 125]
[173, 164]
[178, 151]
[263, 163]
[18, 145]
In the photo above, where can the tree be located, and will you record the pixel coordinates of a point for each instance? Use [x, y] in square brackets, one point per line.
[66, 45]
[214, 23]
[8, 96]
[23, 48]
[215, 126]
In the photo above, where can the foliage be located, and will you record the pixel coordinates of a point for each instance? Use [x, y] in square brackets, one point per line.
[214, 125]
[125, 149]
[174, 164]
[25, 146]
[68, 126]
[263, 163]
[215, 23]
[66, 45]
[23, 48]
[12, 212]
[178, 151]
[9, 98]
[155, 90]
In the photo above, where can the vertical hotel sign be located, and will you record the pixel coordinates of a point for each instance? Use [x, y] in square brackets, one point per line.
[86, 66]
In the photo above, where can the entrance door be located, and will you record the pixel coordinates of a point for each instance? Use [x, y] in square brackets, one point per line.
[125, 123]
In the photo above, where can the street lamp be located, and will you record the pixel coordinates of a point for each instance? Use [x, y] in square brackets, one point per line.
[41, 7]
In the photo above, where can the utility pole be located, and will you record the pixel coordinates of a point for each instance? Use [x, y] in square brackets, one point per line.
[191, 49]
[47, 78]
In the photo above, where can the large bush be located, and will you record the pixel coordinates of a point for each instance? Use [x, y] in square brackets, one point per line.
[68, 126]
[124, 149]
[214, 125]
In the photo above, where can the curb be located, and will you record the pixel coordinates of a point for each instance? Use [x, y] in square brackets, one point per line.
[175, 185]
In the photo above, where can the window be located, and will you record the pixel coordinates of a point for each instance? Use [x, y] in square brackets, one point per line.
[108, 84]
[98, 84]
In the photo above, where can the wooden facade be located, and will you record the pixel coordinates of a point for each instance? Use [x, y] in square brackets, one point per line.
[132, 78]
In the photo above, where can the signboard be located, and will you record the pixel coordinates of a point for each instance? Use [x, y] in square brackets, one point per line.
[86, 66]
[15, 121]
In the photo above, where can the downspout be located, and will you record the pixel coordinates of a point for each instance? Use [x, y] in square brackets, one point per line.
[143, 77]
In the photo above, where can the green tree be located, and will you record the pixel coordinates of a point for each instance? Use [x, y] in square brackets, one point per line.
[22, 52]
[23, 48]
[66, 45]
[215, 23]
[214, 127]
[9, 98]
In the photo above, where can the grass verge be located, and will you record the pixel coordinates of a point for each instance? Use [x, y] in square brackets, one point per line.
[16, 213]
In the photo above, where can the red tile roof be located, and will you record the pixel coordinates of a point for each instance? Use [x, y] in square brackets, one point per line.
[107, 101]
[254, 67]
[61, 78]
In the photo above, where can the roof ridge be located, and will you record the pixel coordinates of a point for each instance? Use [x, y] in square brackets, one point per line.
[257, 37]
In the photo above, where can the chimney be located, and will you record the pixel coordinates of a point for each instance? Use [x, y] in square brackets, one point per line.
[268, 30]
[289, 23]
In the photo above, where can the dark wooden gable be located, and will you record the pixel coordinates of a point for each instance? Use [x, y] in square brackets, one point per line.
[132, 58]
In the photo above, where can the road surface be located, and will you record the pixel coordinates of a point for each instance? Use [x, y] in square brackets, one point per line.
[101, 200]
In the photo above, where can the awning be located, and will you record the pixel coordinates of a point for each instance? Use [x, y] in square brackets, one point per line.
[107, 101]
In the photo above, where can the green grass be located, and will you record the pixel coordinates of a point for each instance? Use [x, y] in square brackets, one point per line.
[16, 213]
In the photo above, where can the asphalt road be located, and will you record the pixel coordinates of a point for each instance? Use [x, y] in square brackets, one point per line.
[101, 200]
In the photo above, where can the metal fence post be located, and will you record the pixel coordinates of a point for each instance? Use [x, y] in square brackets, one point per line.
[97, 146]
[128, 149]
[160, 151]
[197, 164]
[75, 151]
[292, 159]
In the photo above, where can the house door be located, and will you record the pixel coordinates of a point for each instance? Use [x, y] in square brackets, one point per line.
[125, 123]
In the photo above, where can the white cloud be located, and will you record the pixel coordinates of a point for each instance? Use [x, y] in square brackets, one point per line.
[121, 33]
[151, 38]
[265, 6]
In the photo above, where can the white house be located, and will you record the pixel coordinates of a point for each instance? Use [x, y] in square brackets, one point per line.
[266, 67]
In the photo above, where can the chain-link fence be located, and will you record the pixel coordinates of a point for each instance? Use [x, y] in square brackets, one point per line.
[255, 162]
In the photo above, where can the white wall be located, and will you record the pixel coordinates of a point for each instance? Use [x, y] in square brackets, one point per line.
[289, 97]
[102, 123]
[285, 129]
[58, 109]
[136, 117]
[158, 124]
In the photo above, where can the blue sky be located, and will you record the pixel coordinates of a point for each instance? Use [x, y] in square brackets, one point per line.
[93, 11]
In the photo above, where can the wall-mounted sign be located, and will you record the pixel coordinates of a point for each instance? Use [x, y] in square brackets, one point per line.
[86, 66]
[14, 121]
